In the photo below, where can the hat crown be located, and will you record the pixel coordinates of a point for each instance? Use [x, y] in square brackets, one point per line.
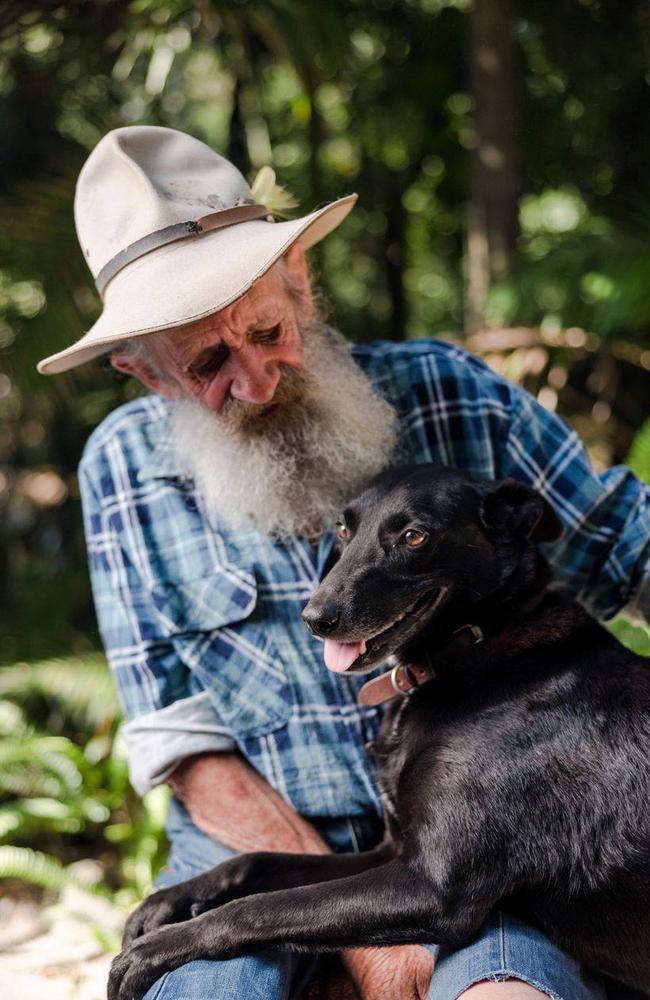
[142, 178]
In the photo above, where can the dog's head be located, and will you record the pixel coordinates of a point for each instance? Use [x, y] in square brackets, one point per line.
[423, 549]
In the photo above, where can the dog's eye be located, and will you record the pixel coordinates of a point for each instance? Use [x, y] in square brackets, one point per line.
[341, 531]
[414, 538]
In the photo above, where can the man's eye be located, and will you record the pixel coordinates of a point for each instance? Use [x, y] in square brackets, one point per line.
[270, 336]
[211, 365]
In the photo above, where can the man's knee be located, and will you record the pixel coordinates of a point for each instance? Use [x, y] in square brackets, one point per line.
[509, 989]
[193, 981]
[251, 976]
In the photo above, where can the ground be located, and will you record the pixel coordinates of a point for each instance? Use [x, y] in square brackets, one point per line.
[54, 953]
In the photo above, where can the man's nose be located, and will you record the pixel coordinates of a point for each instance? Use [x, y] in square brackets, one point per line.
[253, 379]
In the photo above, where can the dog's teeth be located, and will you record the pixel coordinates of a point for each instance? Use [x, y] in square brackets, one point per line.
[362, 648]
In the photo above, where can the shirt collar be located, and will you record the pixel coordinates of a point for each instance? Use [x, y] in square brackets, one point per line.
[162, 460]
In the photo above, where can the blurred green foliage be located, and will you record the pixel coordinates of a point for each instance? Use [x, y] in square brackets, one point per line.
[636, 635]
[639, 457]
[352, 95]
[64, 782]
[371, 96]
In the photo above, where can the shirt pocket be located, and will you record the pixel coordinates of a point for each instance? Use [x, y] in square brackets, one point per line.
[220, 633]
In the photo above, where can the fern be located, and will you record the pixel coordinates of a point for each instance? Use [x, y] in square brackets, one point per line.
[39, 765]
[39, 869]
[12, 719]
[83, 688]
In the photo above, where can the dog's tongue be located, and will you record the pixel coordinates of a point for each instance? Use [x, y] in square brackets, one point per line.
[340, 655]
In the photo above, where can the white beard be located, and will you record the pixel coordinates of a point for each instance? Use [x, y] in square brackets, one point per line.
[294, 475]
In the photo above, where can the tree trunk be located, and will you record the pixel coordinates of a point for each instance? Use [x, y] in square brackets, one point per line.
[492, 224]
[394, 258]
[237, 151]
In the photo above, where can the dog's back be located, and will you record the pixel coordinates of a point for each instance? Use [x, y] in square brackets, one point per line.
[541, 743]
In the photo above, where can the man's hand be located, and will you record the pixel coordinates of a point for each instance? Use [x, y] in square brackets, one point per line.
[403, 972]
[233, 804]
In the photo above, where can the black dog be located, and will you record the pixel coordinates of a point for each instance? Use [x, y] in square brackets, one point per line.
[518, 777]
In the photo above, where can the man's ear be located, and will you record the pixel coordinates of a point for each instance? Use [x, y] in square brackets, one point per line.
[138, 368]
[296, 263]
[515, 506]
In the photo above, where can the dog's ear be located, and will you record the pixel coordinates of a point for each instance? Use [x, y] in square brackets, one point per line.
[511, 504]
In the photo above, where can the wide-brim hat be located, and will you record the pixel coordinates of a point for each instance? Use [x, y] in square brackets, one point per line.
[172, 233]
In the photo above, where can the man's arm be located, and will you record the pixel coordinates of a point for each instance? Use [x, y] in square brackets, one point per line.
[603, 556]
[233, 804]
[467, 416]
[169, 716]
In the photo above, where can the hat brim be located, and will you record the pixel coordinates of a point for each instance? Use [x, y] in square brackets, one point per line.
[192, 278]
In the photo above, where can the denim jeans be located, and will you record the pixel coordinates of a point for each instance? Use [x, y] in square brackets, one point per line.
[506, 948]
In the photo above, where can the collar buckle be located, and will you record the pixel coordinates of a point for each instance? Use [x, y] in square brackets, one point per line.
[403, 668]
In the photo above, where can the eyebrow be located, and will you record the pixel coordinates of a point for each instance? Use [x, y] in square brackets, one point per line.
[253, 327]
[263, 324]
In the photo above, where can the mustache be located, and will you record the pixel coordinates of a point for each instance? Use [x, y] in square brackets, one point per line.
[238, 416]
[287, 471]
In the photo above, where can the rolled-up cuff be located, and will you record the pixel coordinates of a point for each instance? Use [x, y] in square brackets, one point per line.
[158, 741]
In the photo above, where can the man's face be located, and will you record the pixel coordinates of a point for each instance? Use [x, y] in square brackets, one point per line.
[274, 421]
[234, 356]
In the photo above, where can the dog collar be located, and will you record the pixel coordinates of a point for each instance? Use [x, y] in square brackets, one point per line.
[405, 678]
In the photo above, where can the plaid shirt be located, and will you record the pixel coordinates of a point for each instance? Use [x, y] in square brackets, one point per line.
[202, 626]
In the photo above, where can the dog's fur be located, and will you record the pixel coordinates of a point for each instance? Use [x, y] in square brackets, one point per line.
[518, 778]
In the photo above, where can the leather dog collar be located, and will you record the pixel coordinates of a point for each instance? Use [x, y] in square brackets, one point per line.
[404, 678]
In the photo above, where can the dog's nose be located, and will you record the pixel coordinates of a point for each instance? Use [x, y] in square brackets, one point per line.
[321, 620]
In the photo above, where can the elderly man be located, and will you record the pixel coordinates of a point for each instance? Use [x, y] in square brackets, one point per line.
[208, 508]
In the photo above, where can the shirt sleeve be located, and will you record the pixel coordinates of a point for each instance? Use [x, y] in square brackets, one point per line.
[603, 556]
[169, 715]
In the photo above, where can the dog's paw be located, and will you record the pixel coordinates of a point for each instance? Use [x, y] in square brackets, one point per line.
[143, 962]
[167, 906]
[236, 877]
[147, 958]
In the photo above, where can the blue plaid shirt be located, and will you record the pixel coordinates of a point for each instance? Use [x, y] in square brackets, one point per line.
[202, 626]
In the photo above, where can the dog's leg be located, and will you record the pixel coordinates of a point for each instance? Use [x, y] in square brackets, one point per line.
[245, 875]
[394, 903]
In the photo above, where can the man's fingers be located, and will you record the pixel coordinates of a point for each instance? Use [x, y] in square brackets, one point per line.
[424, 973]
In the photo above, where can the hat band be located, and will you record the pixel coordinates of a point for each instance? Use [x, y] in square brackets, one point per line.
[179, 231]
